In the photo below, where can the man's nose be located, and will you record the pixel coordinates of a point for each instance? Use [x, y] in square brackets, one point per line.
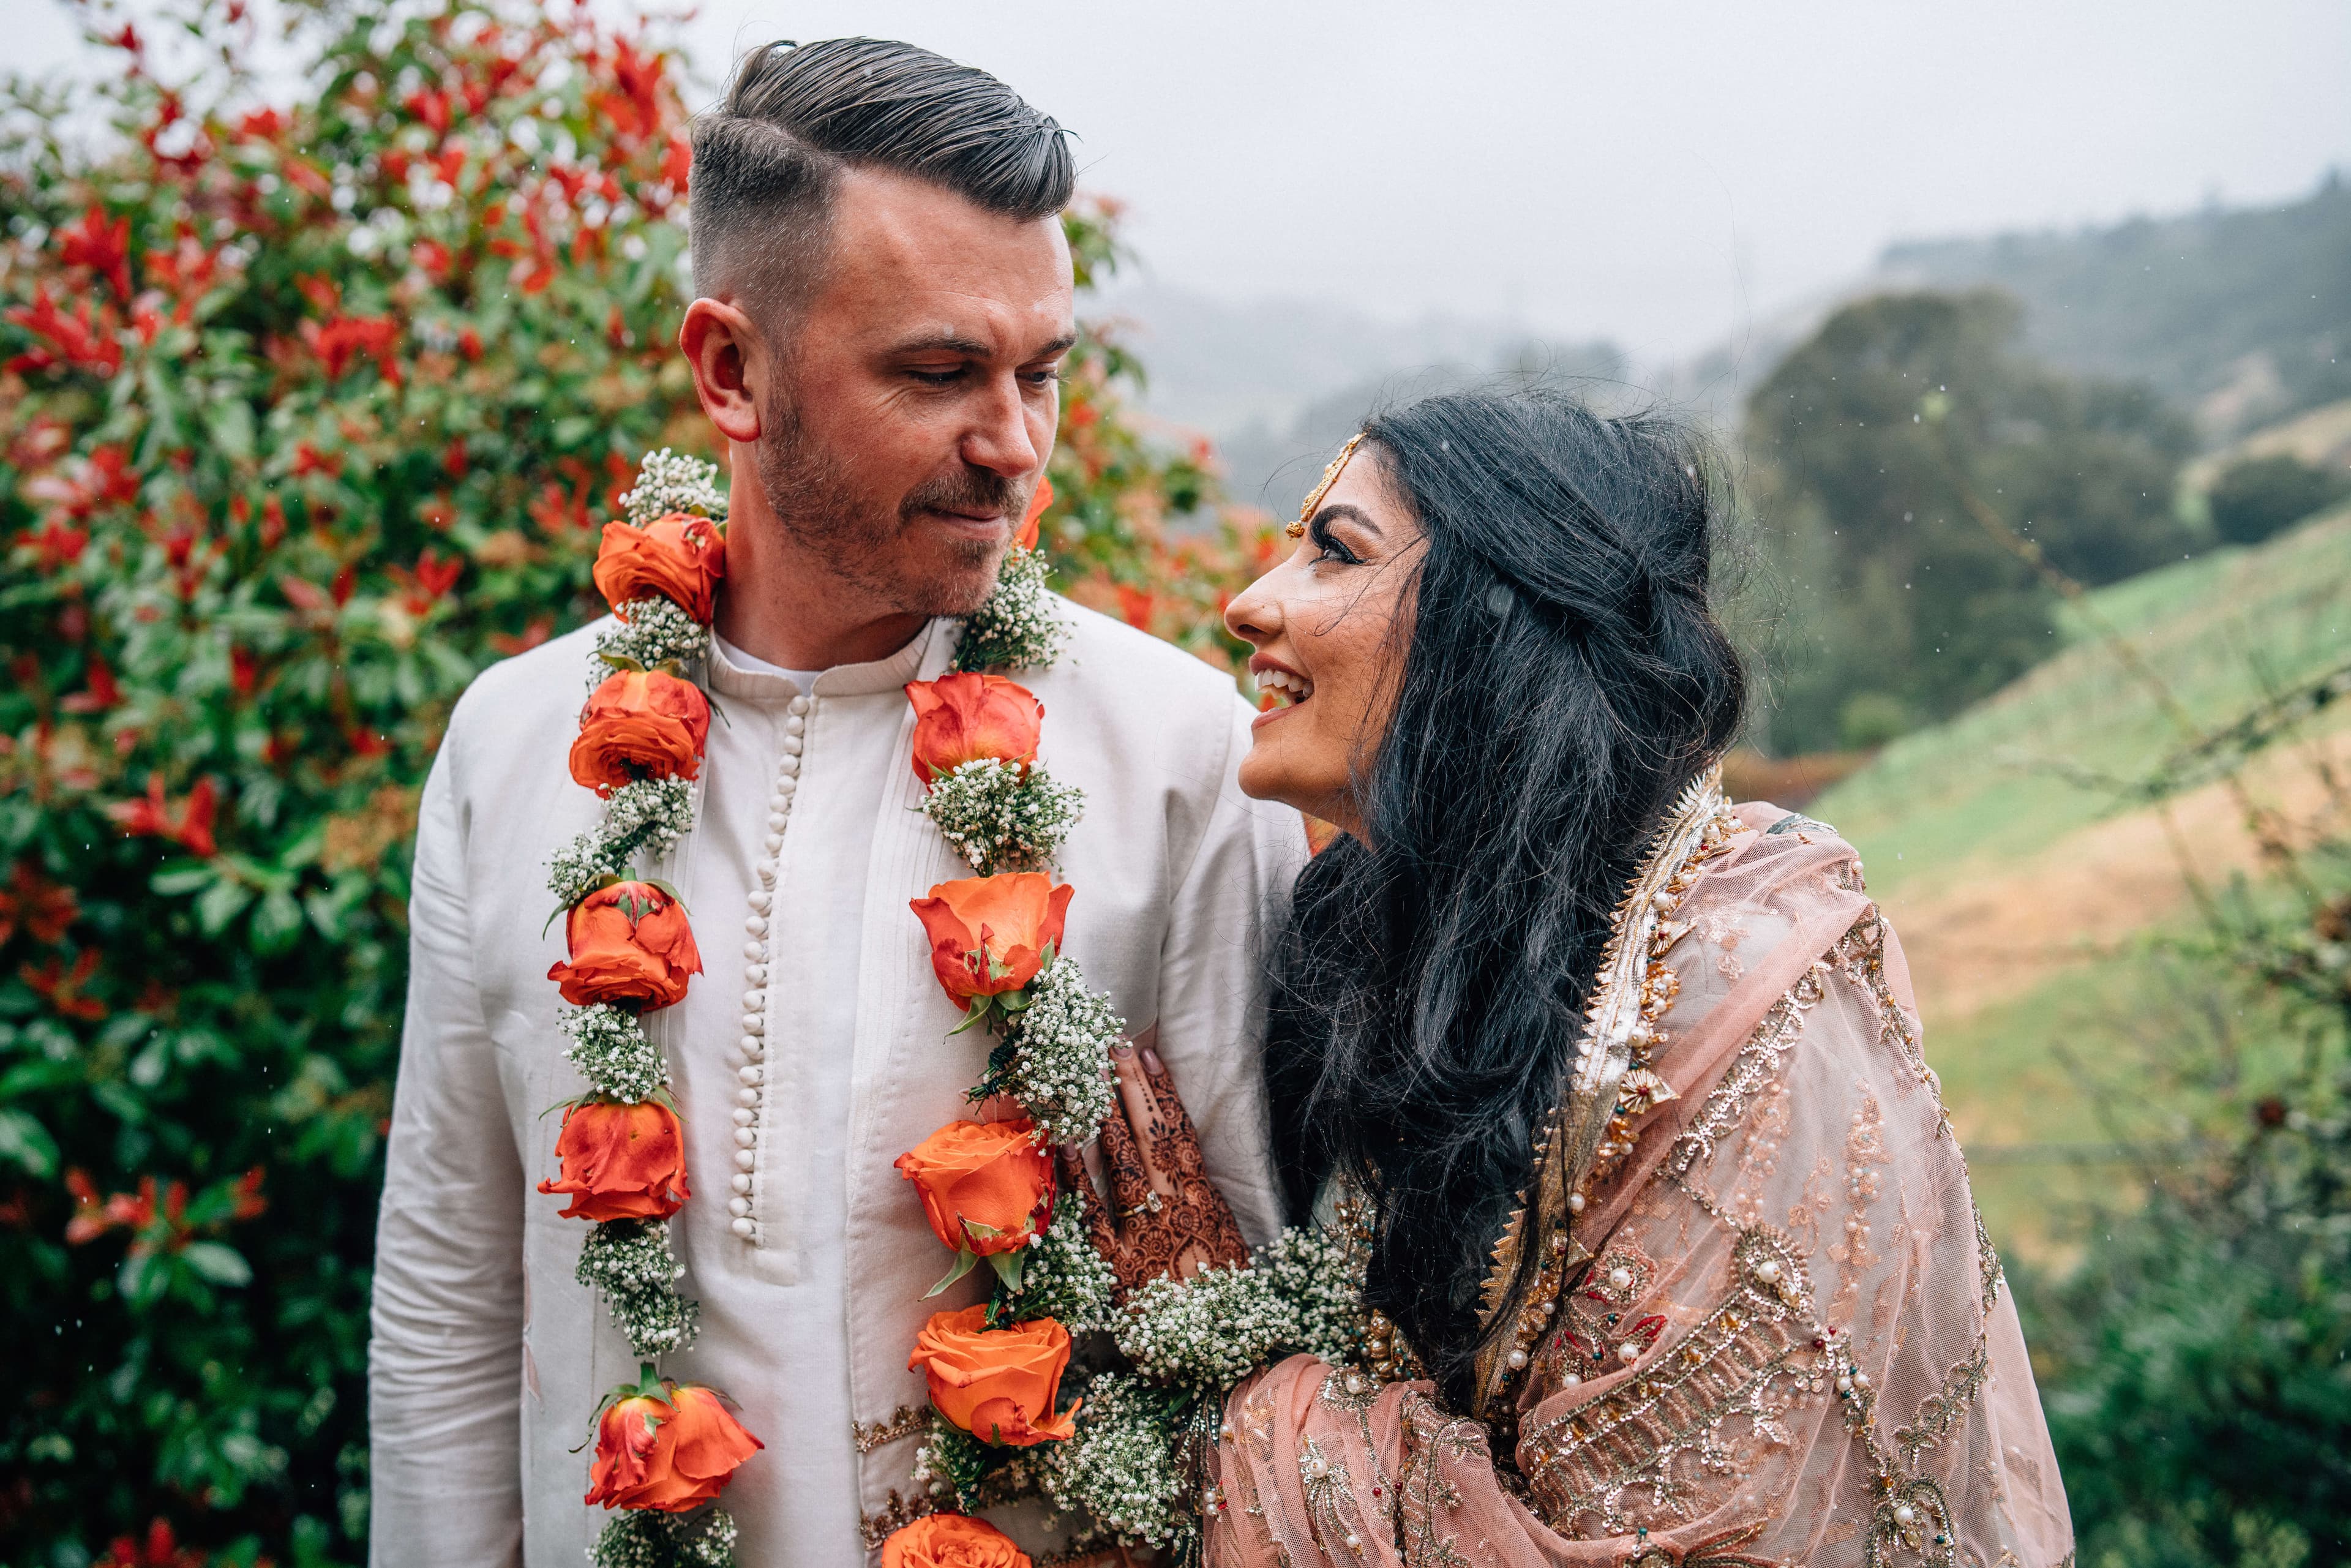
[999, 436]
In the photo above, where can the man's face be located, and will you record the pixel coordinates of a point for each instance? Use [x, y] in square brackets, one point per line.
[916, 396]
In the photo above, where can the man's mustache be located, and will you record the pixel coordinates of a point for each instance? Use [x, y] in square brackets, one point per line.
[972, 491]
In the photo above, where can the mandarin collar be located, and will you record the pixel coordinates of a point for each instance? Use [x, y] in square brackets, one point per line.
[924, 656]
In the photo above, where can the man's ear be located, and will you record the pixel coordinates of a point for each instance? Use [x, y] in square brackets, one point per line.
[723, 349]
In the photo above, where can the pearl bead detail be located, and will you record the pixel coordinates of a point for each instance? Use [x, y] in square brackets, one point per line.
[762, 902]
[1517, 1360]
[1576, 1201]
[1628, 1353]
[1905, 1514]
[1620, 1279]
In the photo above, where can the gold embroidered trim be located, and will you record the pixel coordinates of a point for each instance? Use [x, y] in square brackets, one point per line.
[1942, 1409]
[1584, 1460]
[904, 1422]
[878, 1526]
[1757, 1064]
[1430, 1438]
[1714, 1551]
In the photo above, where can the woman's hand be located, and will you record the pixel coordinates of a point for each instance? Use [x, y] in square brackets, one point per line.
[1171, 1219]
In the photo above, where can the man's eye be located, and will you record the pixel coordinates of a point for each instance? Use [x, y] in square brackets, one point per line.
[1044, 377]
[937, 378]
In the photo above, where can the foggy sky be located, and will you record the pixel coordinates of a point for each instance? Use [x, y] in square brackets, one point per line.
[1664, 175]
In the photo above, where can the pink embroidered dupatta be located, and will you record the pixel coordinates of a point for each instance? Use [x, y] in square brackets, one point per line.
[1795, 1343]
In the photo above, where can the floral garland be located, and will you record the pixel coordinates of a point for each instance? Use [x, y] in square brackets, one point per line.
[664, 1449]
[1125, 1453]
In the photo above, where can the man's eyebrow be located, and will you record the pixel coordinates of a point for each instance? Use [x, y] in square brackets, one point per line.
[971, 348]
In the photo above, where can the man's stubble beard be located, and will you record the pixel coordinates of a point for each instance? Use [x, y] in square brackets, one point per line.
[817, 508]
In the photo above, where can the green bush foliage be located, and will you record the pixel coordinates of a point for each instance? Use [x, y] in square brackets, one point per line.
[2260, 496]
[2196, 1366]
[309, 411]
[1867, 432]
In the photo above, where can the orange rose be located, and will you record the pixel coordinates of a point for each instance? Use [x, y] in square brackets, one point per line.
[620, 1162]
[629, 943]
[951, 1540]
[998, 1385]
[989, 934]
[985, 1185]
[1027, 538]
[640, 724]
[671, 1453]
[963, 719]
[679, 558]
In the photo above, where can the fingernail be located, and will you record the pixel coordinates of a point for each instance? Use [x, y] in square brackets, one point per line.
[1122, 1049]
[1151, 1060]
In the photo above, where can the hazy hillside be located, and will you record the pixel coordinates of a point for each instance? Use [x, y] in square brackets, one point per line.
[2241, 315]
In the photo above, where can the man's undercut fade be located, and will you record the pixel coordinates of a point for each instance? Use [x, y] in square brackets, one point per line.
[768, 162]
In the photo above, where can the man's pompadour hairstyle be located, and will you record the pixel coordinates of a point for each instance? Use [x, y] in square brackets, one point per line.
[766, 161]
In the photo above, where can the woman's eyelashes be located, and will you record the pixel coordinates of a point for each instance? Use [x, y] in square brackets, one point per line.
[1328, 547]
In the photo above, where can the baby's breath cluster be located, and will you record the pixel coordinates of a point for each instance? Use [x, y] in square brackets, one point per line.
[1056, 1062]
[1120, 1469]
[962, 1471]
[630, 1264]
[1303, 1292]
[641, 1538]
[640, 818]
[611, 1051]
[1016, 629]
[1002, 817]
[670, 482]
[1063, 1277]
[652, 632]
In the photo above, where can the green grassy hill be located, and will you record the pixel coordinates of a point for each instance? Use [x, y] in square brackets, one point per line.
[2035, 903]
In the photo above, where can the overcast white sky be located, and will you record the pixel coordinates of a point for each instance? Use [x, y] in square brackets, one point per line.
[1659, 173]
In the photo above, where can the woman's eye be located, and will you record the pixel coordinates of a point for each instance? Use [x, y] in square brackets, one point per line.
[1328, 548]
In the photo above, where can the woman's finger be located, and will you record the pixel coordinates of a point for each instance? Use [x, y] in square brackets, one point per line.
[1179, 1151]
[1146, 1124]
[1091, 1211]
[1129, 1179]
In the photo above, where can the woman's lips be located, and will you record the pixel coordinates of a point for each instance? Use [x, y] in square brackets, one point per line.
[1287, 687]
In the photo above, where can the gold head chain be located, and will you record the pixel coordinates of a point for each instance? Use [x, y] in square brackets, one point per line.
[1297, 531]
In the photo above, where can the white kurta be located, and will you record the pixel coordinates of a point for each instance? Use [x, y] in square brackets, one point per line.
[487, 1359]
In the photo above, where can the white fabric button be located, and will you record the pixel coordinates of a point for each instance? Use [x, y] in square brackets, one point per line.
[778, 821]
[792, 746]
[746, 1095]
[753, 1046]
[798, 706]
[794, 725]
[759, 900]
[755, 975]
[755, 1001]
[756, 952]
[740, 1181]
[768, 871]
[754, 1024]
[785, 788]
[748, 1072]
[757, 925]
[744, 1159]
[744, 1138]
[789, 765]
[743, 1117]
[743, 1227]
[739, 1205]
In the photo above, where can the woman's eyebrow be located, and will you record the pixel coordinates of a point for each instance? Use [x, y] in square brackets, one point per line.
[1353, 514]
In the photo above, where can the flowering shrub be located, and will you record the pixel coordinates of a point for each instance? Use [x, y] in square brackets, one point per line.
[309, 409]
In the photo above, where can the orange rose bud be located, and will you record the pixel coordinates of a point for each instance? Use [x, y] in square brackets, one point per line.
[640, 724]
[966, 718]
[620, 1162]
[1027, 538]
[951, 1540]
[998, 1385]
[630, 943]
[989, 934]
[985, 1185]
[679, 558]
[670, 1457]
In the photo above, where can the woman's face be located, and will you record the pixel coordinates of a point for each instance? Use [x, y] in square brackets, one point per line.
[1324, 624]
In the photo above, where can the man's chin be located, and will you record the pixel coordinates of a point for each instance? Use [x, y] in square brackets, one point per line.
[961, 580]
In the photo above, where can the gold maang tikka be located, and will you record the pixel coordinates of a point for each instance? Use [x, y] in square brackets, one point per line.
[1297, 531]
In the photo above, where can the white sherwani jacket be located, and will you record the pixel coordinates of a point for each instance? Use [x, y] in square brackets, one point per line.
[488, 1360]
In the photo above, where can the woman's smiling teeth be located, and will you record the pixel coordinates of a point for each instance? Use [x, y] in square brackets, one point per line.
[1291, 689]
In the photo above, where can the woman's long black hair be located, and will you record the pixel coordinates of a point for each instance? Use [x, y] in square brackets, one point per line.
[1564, 680]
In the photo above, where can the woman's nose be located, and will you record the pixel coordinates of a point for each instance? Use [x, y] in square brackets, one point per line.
[1255, 614]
